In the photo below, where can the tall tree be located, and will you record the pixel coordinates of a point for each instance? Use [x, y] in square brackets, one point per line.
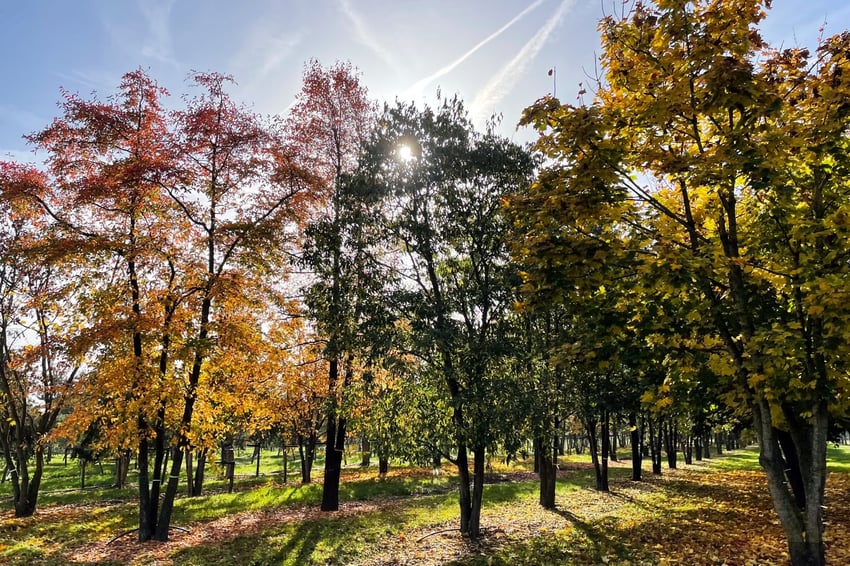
[444, 183]
[328, 125]
[106, 160]
[238, 191]
[736, 155]
[178, 212]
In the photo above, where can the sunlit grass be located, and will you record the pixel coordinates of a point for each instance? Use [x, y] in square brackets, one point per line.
[409, 501]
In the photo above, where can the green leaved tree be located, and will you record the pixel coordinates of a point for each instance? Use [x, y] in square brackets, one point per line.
[730, 161]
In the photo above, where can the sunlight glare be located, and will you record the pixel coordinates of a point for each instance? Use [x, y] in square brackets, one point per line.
[405, 153]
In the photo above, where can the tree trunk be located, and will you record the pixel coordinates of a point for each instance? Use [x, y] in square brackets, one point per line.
[655, 443]
[474, 529]
[27, 496]
[190, 473]
[548, 472]
[688, 448]
[383, 466]
[200, 469]
[307, 452]
[436, 463]
[671, 442]
[803, 526]
[365, 452]
[593, 447]
[614, 439]
[122, 468]
[465, 494]
[164, 522]
[146, 525]
[333, 463]
[637, 449]
[606, 448]
[335, 440]
[791, 465]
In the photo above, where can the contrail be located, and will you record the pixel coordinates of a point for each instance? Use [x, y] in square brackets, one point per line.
[502, 82]
[422, 83]
[367, 38]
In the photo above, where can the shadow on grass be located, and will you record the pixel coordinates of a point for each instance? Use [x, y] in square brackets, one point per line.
[330, 539]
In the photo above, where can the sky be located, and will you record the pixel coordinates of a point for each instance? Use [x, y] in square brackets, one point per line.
[494, 54]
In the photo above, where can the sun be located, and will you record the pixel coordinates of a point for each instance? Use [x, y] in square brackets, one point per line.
[405, 153]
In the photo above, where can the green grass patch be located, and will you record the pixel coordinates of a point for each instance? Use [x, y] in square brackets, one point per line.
[696, 507]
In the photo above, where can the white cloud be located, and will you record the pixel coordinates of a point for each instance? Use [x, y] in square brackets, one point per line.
[99, 81]
[19, 156]
[264, 52]
[422, 83]
[507, 77]
[157, 45]
[368, 38]
[21, 119]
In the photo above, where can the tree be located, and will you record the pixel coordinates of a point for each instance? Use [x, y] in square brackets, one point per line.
[444, 183]
[39, 359]
[238, 190]
[177, 212]
[106, 160]
[735, 155]
[328, 126]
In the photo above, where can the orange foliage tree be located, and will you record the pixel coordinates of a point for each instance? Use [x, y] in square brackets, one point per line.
[177, 214]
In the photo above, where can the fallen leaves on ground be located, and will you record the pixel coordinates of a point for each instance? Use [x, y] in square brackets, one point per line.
[689, 516]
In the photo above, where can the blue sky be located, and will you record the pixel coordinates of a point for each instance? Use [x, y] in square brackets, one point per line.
[495, 54]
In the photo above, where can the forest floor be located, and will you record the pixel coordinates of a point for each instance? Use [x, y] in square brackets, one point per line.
[715, 512]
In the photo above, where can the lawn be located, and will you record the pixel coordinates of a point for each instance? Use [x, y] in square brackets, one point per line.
[713, 512]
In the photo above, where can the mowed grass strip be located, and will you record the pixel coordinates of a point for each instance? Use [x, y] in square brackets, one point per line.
[714, 512]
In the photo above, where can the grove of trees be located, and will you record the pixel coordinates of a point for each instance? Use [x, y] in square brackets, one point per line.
[669, 258]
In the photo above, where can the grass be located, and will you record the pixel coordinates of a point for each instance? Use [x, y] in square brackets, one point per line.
[717, 508]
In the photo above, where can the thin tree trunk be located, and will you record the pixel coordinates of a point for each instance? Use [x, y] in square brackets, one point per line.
[670, 442]
[465, 494]
[637, 449]
[190, 473]
[606, 448]
[365, 452]
[592, 439]
[614, 439]
[334, 444]
[477, 492]
[655, 443]
[200, 469]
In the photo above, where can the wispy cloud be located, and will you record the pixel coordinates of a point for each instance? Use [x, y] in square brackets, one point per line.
[20, 118]
[19, 156]
[367, 37]
[157, 45]
[264, 51]
[94, 81]
[417, 87]
[506, 78]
